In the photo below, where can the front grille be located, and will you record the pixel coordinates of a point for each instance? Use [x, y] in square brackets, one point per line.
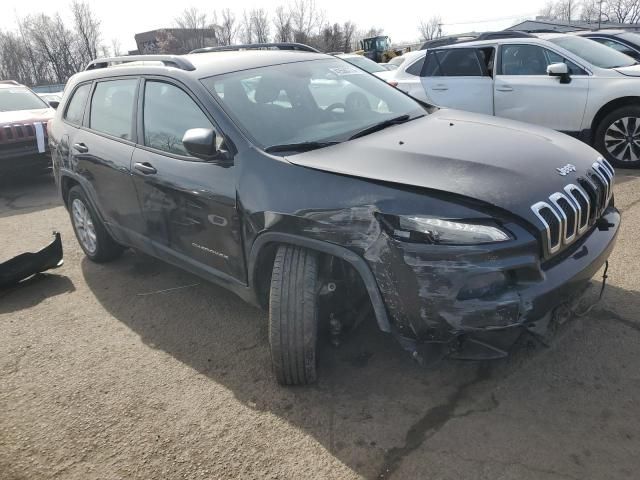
[19, 132]
[568, 214]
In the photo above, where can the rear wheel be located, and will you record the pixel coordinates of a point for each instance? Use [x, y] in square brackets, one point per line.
[618, 137]
[293, 315]
[93, 238]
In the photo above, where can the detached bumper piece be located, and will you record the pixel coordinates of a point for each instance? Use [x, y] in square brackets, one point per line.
[28, 264]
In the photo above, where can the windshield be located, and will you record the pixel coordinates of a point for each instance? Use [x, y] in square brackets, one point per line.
[594, 52]
[19, 98]
[312, 101]
[365, 64]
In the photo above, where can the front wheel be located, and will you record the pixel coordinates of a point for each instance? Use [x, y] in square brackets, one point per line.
[617, 137]
[293, 315]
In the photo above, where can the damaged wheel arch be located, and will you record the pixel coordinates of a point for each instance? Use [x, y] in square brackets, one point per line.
[263, 243]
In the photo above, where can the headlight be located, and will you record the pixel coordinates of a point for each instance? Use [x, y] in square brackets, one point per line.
[447, 232]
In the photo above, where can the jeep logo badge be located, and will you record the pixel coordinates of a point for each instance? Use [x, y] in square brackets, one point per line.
[568, 168]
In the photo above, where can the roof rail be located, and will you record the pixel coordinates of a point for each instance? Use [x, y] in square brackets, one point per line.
[504, 34]
[301, 47]
[472, 37]
[10, 82]
[176, 61]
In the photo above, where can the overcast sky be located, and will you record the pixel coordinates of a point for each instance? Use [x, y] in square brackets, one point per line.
[121, 19]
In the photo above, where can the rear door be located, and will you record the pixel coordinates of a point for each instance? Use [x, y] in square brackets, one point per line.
[457, 78]
[101, 153]
[189, 204]
[524, 91]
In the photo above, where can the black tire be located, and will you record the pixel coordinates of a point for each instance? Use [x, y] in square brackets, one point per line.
[293, 315]
[622, 157]
[106, 249]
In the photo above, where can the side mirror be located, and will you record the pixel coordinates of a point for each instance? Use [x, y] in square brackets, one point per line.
[54, 104]
[200, 142]
[559, 70]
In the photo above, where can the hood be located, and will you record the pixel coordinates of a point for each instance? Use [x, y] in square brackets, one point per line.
[385, 75]
[504, 163]
[632, 71]
[26, 116]
[18, 126]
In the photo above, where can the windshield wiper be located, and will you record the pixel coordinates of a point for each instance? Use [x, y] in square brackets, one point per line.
[384, 124]
[298, 147]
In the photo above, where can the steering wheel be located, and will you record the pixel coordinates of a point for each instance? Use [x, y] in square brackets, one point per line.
[335, 106]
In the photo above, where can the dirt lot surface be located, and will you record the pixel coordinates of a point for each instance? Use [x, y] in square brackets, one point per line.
[99, 381]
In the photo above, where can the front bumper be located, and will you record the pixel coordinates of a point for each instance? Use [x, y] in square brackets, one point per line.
[23, 156]
[488, 295]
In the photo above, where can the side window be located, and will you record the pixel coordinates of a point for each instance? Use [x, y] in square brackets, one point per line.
[617, 46]
[112, 107]
[77, 103]
[432, 67]
[416, 67]
[168, 113]
[523, 60]
[456, 62]
[553, 57]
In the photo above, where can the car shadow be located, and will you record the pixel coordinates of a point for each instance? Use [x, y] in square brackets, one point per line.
[24, 194]
[624, 175]
[372, 405]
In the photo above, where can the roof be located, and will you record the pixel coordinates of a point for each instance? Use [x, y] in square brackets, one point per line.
[546, 24]
[211, 63]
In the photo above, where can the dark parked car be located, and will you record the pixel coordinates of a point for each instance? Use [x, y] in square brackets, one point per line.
[458, 231]
[23, 130]
[621, 40]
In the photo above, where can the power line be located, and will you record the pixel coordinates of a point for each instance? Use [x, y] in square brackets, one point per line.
[491, 19]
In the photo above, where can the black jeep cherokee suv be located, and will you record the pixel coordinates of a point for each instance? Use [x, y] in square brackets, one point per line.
[307, 186]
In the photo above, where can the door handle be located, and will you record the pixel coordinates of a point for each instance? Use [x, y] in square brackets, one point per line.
[504, 88]
[80, 147]
[145, 168]
[440, 88]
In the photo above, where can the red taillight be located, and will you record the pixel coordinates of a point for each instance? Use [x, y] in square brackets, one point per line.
[393, 83]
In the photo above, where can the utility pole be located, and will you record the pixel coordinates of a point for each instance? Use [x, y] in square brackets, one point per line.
[600, 15]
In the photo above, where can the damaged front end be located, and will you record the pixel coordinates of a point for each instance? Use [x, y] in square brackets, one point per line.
[473, 302]
[25, 265]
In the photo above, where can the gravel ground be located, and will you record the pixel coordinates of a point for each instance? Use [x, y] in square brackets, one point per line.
[99, 381]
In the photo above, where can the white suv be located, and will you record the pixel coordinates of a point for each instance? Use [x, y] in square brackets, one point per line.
[564, 82]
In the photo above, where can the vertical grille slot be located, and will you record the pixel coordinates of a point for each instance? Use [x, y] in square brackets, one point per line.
[569, 216]
[552, 223]
[592, 193]
[8, 132]
[30, 132]
[581, 201]
[19, 132]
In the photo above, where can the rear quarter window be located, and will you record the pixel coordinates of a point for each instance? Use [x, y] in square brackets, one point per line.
[78, 100]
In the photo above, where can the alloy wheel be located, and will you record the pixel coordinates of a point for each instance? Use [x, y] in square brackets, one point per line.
[84, 226]
[622, 139]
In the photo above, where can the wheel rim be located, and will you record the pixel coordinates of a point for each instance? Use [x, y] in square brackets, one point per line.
[622, 139]
[84, 226]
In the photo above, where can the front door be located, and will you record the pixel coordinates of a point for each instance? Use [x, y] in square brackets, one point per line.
[524, 91]
[457, 78]
[189, 205]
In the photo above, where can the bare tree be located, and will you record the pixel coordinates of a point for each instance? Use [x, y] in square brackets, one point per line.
[87, 28]
[430, 29]
[115, 47]
[349, 30]
[260, 24]
[246, 28]
[305, 19]
[282, 25]
[193, 29]
[227, 28]
[562, 10]
[624, 11]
